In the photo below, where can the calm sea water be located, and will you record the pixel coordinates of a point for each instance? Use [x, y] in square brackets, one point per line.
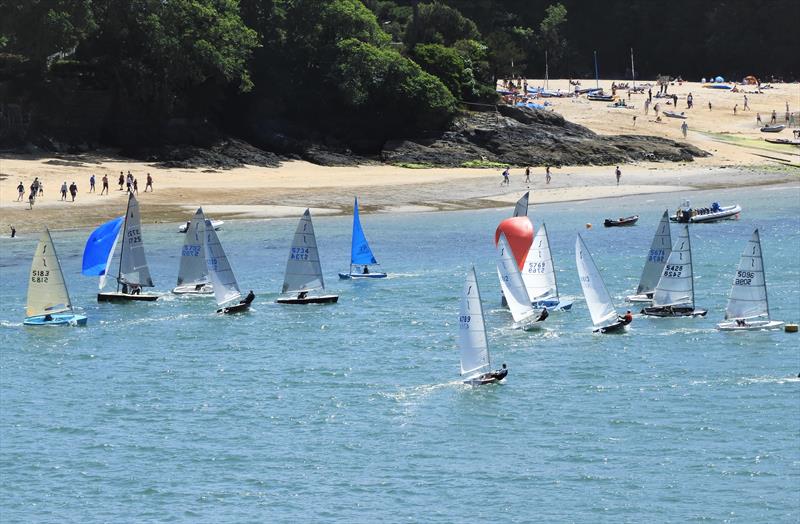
[355, 412]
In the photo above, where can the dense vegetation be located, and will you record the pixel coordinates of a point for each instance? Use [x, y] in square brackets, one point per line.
[346, 73]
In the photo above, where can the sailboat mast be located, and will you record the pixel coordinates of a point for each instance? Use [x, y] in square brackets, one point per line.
[596, 74]
[633, 71]
[763, 271]
[122, 247]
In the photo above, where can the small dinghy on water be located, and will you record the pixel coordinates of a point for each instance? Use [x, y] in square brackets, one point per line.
[472, 341]
[216, 224]
[514, 289]
[360, 252]
[621, 222]
[660, 249]
[713, 213]
[748, 307]
[303, 270]
[674, 293]
[226, 289]
[133, 272]
[193, 272]
[604, 315]
[539, 275]
[48, 301]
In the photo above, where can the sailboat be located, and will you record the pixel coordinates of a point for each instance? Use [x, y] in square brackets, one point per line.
[514, 289]
[539, 275]
[748, 298]
[193, 272]
[226, 289]
[133, 273]
[360, 253]
[472, 341]
[303, 269]
[601, 307]
[48, 301]
[521, 207]
[660, 249]
[674, 293]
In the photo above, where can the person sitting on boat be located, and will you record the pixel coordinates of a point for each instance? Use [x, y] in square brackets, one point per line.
[627, 318]
[500, 374]
[302, 294]
[249, 298]
[741, 322]
[543, 315]
[135, 289]
[48, 317]
[365, 271]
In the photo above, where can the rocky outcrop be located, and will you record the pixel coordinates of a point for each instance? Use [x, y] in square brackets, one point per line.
[523, 136]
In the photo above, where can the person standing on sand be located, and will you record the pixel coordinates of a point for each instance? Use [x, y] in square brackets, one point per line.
[121, 180]
[135, 186]
[746, 106]
[634, 120]
[64, 190]
[735, 108]
[547, 174]
[73, 190]
[709, 106]
[675, 101]
[91, 184]
[506, 179]
[650, 94]
[105, 185]
[684, 128]
[41, 189]
[774, 118]
[656, 108]
[13, 231]
[20, 191]
[758, 119]
[689, 101]
[619, 174]
[149, 183]
[528, 175]
[646, 107]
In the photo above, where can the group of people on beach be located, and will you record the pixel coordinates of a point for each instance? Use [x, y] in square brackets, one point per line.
[507, 176]
[37, 187]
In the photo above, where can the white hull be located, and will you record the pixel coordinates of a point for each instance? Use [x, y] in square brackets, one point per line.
[643, 299]
[192, 289]
[215, 223]
[530, 324]
[755, 325]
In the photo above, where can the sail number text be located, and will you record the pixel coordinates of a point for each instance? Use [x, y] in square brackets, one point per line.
[134, 236]
[190, 251]
[299, 253]
[537, 267]
[673, 270]
[40, 276]
[743, 278]
[464, 321]
[655, 255]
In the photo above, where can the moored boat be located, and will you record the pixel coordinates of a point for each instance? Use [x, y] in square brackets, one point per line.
[675, 114]
[773, 129]
[621, 222]
[713, 213]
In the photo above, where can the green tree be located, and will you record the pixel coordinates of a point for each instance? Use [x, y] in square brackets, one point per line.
[439, 24]
[445, 63]
[550, 32]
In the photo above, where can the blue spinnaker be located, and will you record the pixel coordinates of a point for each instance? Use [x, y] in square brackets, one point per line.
[360, 253]
[100, 247]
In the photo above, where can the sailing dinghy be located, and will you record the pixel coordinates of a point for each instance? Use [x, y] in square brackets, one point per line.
[660, 249]
[519, 303]
[133, 273]
[360, 254]
[540, 277]
[601, 307]
[303, 270]
[226, 289]
[674, 293]
[48, 301]
[193, 272]
[472, 341]
[748, 307]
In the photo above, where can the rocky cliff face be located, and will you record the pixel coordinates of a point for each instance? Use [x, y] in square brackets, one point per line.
[523, 136]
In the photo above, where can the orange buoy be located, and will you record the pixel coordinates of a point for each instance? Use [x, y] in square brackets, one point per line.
[519, 233]
[588, 226]
[790, 328]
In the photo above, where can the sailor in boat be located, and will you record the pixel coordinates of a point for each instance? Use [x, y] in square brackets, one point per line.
[249, 298]
[542, 316]
[497, 375]
[366, 271]
[740, 322]
[48, 317]
[627, 318]
[302, 294]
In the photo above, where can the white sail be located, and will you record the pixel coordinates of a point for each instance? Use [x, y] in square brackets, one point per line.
[303, 269]
[471, 330]
[219, 269]
[193, 269]
[601, 307]
[676, 285]
[748, 298]
[47, 291]
[538, 273]
[657, 257]
[511, 282]
[521, 209]
[133, 264]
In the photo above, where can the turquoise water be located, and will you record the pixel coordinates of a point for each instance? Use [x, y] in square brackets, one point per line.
[355, 412]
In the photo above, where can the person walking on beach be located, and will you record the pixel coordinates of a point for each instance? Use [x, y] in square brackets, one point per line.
[646, 107]
[634, 120]
[41, 188]
[709, 106]
[13, 231]
[128, 182]
[735, 108]
[675, 101]
[20, 191]
[650, 94]
[528, 175]
[774, 118]
[547, 174]
[121, 180]
[684, 128]
[758, 119]
[135, 186]
[149, 183]
[105, 185]
[31, 199]
[73, 190]
[506, 179]
[64, 190]
[746, 106]
[91, 184]
[34, 188]
[619, 174]
[689, 101]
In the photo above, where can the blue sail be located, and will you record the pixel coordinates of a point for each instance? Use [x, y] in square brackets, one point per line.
[100, 247]
[360, 253]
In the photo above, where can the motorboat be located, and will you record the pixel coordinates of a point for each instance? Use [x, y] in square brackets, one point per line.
[688, 214]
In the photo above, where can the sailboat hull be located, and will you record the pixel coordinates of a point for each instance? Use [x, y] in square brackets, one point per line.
[59, 319]
[356, 276]
[552, 305]
[320, 299]
[617, 327]
[669, 311]
[194, 289]
[642, 299]
[755, 325]
[117, 296]
[236, 308]
[492, 377]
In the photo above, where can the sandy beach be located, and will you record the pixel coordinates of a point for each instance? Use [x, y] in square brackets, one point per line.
[739, 157]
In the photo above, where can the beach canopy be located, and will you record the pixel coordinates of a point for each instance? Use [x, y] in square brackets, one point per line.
[751, 80]
[719, 79]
